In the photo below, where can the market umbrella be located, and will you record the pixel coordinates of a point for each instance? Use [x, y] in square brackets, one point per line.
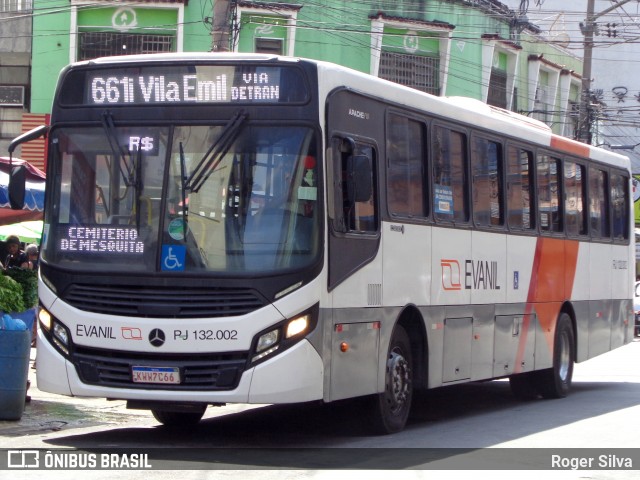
[29, 231]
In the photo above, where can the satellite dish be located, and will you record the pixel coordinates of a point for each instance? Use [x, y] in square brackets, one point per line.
[563, 39]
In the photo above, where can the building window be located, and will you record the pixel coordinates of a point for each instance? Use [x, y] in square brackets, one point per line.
[415, 71]
[266, 27]
[497, 88]
[572, 120]
[542, 102]
[102, 44]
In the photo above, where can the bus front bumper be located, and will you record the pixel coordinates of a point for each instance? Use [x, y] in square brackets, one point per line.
[295, 375]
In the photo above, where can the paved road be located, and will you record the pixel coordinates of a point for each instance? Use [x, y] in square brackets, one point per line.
[602, 412]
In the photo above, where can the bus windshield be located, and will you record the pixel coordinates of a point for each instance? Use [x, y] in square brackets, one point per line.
[237, 198]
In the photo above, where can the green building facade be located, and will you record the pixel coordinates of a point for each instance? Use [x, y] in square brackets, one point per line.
[471, 48]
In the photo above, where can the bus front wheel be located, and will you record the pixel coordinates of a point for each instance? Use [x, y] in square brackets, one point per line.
[178, 419]
[555, 382]
[390, 408]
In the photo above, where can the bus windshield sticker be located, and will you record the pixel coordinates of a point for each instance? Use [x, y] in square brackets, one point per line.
[176, 229]
[444, 199]
[173, 258]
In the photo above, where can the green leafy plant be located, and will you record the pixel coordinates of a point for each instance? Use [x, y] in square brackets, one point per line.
[11, 295]
[28, 280]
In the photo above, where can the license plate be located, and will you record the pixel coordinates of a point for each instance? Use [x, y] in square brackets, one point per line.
[161, 375]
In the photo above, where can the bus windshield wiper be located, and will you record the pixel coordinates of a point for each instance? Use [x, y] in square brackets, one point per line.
[138, 186]
[210, 160]
[183, 188]
[116, 149]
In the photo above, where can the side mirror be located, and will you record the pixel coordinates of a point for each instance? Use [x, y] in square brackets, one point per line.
[17, 181]
[359, 179]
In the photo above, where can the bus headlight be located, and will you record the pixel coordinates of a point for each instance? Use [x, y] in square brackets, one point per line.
[284, 335]
[297, 326]
[44, 317]
[57, 333]
[267, 344]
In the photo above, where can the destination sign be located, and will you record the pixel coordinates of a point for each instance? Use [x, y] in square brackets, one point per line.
[193, 84]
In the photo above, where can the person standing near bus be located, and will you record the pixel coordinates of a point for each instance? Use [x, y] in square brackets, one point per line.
[16, 257]
[31, 253]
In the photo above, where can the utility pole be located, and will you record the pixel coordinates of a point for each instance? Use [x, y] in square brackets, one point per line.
[589, 30]
[220, 32]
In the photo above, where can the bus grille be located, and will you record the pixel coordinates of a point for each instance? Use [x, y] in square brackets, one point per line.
[171, 301]
[197, 372]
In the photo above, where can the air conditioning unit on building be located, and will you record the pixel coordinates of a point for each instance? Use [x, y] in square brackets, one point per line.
[11, 95]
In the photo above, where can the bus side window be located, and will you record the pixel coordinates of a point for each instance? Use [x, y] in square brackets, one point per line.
[620, 206]
[574, 204]
[549, 208]
[520, 193]
[406, 182]
[356, 188]
[450, 175]
[486, 168]
[599, 203]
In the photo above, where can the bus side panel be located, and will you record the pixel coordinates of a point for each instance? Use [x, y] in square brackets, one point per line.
[451, 249]
[600, 318]
[621, 284]
[520, 254]
[406, 252]
[354, 318]
[486, 270]
[580, 301]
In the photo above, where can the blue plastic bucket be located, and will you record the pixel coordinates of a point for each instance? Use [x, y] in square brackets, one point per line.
[15, 347]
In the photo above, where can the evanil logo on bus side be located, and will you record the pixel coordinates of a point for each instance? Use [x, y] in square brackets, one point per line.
[473, 275]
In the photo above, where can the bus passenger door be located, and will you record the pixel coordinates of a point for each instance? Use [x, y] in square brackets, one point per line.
[355, 270]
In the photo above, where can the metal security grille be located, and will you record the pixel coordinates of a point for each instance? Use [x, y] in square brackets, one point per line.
[415, 71]
[103, 44]
[15, 5]
[497, 89]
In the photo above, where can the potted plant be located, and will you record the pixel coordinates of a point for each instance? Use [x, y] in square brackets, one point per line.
[28, 280]
[11, 295]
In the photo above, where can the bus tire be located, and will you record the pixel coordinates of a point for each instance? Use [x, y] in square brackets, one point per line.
[390, 409]
[523, 386]
[555, 382]
[178, 419]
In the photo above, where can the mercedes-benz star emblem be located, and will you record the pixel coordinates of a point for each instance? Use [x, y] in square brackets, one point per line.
[156, 337]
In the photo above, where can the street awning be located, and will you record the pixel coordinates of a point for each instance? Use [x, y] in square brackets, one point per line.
[34, 193]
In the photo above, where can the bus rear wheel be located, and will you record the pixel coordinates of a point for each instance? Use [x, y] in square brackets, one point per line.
[178, 419]
[555, 382]
[390, 408]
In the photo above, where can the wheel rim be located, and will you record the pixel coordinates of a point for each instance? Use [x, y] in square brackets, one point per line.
[565, 357]
[398, 381]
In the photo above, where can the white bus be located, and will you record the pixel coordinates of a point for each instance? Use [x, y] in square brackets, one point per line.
[259, 229]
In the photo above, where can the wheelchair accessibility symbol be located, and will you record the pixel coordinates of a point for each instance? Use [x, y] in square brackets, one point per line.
[173, 257]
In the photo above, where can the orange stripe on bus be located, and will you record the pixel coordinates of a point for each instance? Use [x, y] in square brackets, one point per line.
[552, 276]
[570, 146]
